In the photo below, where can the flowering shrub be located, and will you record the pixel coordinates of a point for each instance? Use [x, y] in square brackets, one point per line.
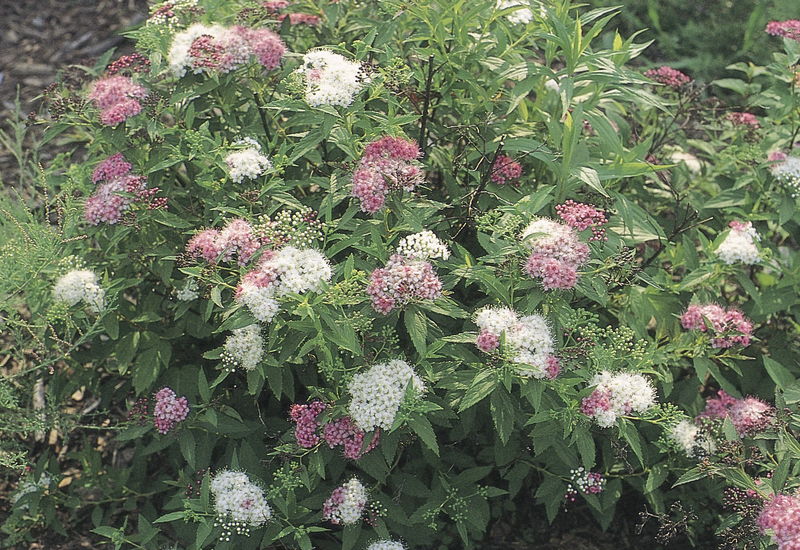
[399, 274]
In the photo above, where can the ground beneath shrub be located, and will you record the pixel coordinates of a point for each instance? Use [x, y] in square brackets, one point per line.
[40, 37]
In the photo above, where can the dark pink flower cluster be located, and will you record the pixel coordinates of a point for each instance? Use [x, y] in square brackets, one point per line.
[233, 47]
[401, 281]
[597, 402]
[668, 77]
[744, 119]
[275, 8]
[133, 63]
[556, 256]
[305, 418]
[236, 239]
[487, 341]
[780, 517]
[786, 29]
[169, 410]
[388, 164]
[117, 190]
[552, 367]
[729, 327]
[117, 97]
[749, 415]
[584, 216]
[344, 431]
[506, 170]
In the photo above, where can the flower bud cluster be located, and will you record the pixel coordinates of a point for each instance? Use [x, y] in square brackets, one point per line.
[506, 170]
[668, 77]
[584, 216]
[422, 246]
[584, 483]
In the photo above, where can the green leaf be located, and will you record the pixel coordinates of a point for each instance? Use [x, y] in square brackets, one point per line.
[422, 427]
[417, 325]
[482, 385]
[691, 475]
[503, 413]
[779, 374]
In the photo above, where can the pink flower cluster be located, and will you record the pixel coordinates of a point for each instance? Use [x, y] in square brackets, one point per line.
[401, 281]
[596, 402]
[275, 7]
[749, 415]
[169, 410]
[344, 432]
[117, 190]
[233, 47]
[729, 326]
[236, 239]
[786, 29]
[744, 119]
[584, 216]
[668, 77]
[134, 63]
[117, 97]
[388, 164]
[305, 418]
[506, 170]
[556, 255]
[780, 517]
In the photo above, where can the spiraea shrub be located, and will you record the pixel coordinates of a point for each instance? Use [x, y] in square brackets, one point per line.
[395, 275]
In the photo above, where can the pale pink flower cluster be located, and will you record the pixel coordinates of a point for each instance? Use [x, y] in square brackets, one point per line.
[556, 253]
[786, 169]
[346, 504]
[401, 281]
[780, 518]
[786, 29]
[219, 49]
[506, 170]
[117, 97]
[118, 189]
[169, 410]
[727, 327]
[744, 119]
[388, 164]
[617, 394]
[528, 339]
[237, 499]
[749, 415]
[235, 240]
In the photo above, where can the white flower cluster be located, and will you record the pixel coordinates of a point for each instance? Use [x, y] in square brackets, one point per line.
[787, 172]
[247, 163]
[295, 270]
[347, 504]
[244, 347]
[423, 246]
[386, 545]
[522, 15]
[739, 245]
[529, 338]
[238, 499]
[378, 393]
[688, 436]
[627, 392]
[80, 285]
[189, 291]
[331, 79]
[178, 56]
